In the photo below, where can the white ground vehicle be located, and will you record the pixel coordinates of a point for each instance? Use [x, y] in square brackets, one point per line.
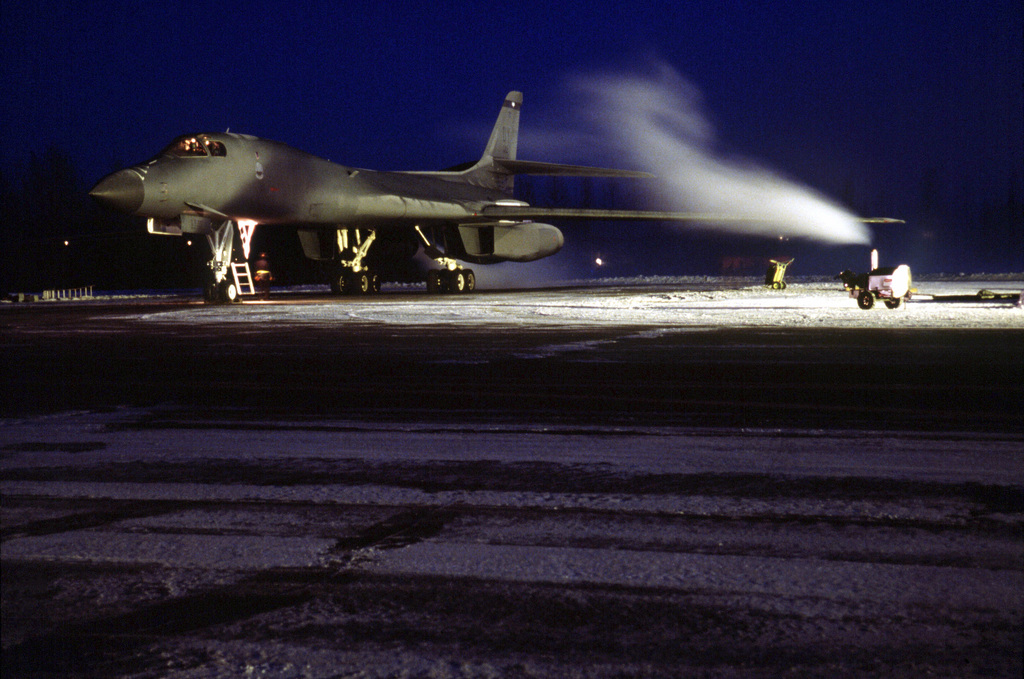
[891, 285]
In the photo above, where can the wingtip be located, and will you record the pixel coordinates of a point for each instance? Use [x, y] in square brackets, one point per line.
[882, 220]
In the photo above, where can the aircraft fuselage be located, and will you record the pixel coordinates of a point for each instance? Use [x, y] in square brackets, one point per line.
[245, 178]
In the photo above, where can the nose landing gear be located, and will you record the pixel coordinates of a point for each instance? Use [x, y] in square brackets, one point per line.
[225, 286]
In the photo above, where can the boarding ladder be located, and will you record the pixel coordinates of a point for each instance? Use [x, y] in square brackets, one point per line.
[243, 278]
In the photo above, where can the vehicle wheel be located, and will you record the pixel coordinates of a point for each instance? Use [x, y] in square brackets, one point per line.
[894, 303]
[776, 285]
[457, 281]
[375, 282]
[344, 284]
[865, 300]
[470, 280]
[434, 282]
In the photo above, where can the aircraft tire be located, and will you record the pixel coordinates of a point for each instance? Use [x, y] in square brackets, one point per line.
[470, 280]
[865, 300]
[360, 283]
[375, 282]
[456, 281]
[435, 282]
[228, 292]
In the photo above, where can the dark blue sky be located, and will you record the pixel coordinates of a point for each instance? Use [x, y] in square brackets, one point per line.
[867, 96]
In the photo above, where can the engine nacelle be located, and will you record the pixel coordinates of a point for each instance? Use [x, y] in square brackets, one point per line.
[519, 242]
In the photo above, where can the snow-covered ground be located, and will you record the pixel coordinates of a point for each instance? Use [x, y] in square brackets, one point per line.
[645, 302]
[154, 541]
[866, 542]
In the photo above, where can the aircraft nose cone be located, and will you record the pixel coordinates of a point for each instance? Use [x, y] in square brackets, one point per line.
[122, 191]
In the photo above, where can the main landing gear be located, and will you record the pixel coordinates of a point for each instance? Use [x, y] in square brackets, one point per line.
[345, 282]
[351, 276]
[451, 280]
[451, 277]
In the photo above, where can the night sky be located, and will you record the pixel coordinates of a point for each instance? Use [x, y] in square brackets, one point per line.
[911, 109]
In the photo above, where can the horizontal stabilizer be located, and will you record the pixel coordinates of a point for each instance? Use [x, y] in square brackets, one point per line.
[559, 170]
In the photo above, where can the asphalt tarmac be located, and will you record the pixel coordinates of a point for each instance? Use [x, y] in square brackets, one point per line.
[316, 357]
[652, 480]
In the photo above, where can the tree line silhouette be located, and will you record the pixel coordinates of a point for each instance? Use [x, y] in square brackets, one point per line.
[55, 236]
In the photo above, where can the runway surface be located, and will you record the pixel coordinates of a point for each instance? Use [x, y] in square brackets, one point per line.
[649, 479]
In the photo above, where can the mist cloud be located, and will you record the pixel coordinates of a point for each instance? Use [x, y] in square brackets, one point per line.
[657, 123]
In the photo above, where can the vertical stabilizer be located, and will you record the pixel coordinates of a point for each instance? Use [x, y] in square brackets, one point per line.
[501, 146]
[505, 135]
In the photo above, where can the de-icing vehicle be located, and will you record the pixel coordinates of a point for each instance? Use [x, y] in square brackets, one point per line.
[892, 285]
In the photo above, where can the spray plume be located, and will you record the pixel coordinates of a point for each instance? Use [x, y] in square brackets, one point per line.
[656, 123]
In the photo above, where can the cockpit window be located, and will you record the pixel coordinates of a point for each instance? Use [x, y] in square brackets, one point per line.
[195, 147]
[187, 147]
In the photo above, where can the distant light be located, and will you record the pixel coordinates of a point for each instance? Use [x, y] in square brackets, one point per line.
[599, 261]
[189, 243]
[66, 244]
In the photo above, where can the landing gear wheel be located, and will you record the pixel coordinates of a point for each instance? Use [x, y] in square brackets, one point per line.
[228, 292]
[375, 282]
[360, 283]
[865, 300]
[894, 303]
[435, 282]
[456, 281]
[343, 285]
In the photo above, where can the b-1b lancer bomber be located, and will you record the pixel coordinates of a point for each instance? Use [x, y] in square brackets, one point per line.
[353, 220]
